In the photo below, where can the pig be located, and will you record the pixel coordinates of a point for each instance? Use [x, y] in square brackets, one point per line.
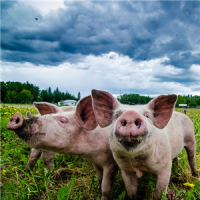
[75, 133]
[145, 138]
[47, 156]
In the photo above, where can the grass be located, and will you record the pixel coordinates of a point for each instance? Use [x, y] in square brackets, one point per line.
[74, 178]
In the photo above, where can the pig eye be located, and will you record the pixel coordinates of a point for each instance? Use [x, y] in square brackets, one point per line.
[63, 121]
[118, 113]
[147, 115]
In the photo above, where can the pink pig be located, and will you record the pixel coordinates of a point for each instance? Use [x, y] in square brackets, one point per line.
[145, 138]
[47, 156]
[69, 133]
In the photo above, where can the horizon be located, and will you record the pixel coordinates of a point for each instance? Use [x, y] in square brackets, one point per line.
[146, 48]
[114, 95]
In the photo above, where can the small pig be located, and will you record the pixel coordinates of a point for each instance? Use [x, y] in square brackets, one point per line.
[69, 133]
[47, 156]
[145, 138]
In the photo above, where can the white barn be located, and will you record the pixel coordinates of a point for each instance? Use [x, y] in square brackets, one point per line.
[68, 102]
[182, 105]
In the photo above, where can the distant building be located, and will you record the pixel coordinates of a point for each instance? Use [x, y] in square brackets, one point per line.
[68, 102]
[183, 105]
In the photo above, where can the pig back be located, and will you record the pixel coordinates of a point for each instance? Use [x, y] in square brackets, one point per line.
[179, 130]
[68, 108]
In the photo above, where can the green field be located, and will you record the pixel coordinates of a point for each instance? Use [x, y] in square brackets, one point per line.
[77, 174]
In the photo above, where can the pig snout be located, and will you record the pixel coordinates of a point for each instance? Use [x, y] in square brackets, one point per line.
[130, 123]
[15, 122]
[25, 128]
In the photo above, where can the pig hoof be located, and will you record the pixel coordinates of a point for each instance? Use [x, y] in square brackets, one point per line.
[195, 174]
[28, 169]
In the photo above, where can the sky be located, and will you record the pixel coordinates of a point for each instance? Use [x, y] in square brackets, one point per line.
[143, 47]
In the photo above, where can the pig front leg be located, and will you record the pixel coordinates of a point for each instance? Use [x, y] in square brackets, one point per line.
[48, 159]
[109, 173]
[162, 183]
[175, 160]
[131, 183]
[34, 156]
[99, 172]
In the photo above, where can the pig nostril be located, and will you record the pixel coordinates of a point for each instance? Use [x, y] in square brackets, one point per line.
[123, 123]
[17, 121]
[138, 123]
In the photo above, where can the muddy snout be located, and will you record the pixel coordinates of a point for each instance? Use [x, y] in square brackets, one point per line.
[15, 122]
[130, 123]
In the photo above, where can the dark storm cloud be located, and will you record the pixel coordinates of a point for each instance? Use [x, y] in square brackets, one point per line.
[183, 78]
[183, 60]
[48, 58]
[5, 5]
[186, 77]
[140, 30]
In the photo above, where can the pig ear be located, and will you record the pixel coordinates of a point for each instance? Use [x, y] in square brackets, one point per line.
[47, 108]
[85, 113]
[162, 107]
[103, 104]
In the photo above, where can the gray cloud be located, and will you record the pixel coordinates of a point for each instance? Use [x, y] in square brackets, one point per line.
[186, 78]
[136, 29]
[183, 60]
[139, 30]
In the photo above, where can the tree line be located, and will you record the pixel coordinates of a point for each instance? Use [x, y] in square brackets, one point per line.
[16, 92]
[135, 99]
[191, 101]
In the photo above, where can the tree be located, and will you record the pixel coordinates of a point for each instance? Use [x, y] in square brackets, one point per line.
[79, 96]
[193, 104]
[133, 99]
[56, 95]
[35, 91]
[44, 95]
[198, 100]
[69, 96]
[180, 100]
[11, 96]
[50, 95]
[25, 96]
[3, 91]
[49, 90]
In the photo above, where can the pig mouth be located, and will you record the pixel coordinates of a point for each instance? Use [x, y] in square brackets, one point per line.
[129, 142]
[30, 127]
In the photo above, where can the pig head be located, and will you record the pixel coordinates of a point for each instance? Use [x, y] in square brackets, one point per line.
[53, 130]
[47, 156]
[73, 132]
[145, 138]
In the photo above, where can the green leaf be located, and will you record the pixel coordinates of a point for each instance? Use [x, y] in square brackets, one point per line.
[63, 193]
[122, 195]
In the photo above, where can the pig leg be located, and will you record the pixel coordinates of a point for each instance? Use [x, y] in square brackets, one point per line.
[107, 181]
[162, 183]
[191, 158]
[99, 172]
[34, 156]
[48, 159]
[131, 183]
[175, 160]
